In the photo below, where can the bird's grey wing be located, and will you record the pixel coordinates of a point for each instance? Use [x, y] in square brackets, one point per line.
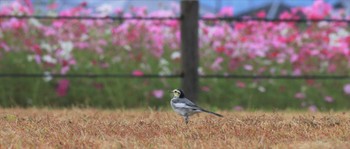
[184, 103]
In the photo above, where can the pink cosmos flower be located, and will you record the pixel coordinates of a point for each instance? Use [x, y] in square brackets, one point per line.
[248, 67]
[5, 46]
[318, 10]
[240, 84]
[286, 15]
[37, 59]
[137, 73]
[58, 24]
[14, 24]
[104, 65]
[347, 89]
[139, 11]
[328, 99]
[261, 14]
[226, 11]
[299, 95]
[62, 87]
[332, 68]
[238, 108]
[313, 108]
[64, 69]
[98, 85]
[216, 64]
[158, 93]
[49, 31]
[102, 42]
[205, 88]
[82, 45]
[297, 72]
[29, 4]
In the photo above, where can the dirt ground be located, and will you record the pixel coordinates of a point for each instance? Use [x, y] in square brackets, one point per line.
[93, 128]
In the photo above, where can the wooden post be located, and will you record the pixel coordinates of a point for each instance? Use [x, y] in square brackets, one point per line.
[189, 45]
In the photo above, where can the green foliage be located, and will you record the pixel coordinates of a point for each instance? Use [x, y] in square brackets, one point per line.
[137, 92]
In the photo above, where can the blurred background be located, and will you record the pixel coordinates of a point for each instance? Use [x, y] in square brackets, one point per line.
[241, 7]
[48, 61]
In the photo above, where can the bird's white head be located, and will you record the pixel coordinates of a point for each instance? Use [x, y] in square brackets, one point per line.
[178, 93]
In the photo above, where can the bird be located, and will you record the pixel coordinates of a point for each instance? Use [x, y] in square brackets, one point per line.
[185, 107]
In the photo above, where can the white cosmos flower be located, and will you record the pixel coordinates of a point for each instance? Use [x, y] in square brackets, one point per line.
[67, 48]
[175, 55]
[322, 24]
[46, 46]
[35, 22]
[47, 76]
[200, 71]
[30, 58]
[84, 37]
[334, 37]
[262, 89]
[127, 48]
[163, 62]
[49, 59]
[104, 9]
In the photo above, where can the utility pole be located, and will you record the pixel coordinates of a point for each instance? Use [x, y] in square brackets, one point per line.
[189, 47]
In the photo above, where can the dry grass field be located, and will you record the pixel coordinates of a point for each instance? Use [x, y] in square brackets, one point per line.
[92, 128]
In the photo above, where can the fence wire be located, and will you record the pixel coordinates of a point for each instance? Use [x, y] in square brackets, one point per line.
[36, 75]
[116, 18]
[119, 18]
[171, 76]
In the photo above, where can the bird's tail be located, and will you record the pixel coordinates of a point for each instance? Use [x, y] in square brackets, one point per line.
[219, 115]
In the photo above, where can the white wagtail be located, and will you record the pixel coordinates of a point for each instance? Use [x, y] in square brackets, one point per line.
[185, 107]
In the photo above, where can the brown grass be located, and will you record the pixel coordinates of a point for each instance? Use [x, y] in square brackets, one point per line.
[91, 128]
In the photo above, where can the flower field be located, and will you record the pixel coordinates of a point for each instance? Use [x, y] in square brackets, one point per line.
[137, 47]
[91, 128]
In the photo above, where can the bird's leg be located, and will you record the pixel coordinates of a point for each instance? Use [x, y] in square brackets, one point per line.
[186, 119]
